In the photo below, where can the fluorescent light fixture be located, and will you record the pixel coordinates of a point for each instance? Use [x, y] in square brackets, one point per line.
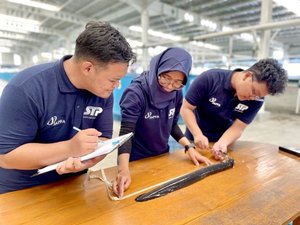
[35, 4]
[156, 33]
[290, 5]
[209, 24]
[164, 35]
[226, 28]
[244, 36]
[136, 28]
[188, 17]
[247, 37]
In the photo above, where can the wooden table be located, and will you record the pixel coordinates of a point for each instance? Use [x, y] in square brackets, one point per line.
[262, 188]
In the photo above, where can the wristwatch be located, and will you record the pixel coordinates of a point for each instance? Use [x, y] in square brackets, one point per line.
[187, 147]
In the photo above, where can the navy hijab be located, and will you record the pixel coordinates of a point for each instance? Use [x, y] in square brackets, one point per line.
[172, 59]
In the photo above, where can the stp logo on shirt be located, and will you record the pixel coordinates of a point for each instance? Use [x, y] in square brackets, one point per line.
[241, 108]
[92, 111]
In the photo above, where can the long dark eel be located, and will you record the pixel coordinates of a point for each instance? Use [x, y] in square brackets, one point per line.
[186, 180]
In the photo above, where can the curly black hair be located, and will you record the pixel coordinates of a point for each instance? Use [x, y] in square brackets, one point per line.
[271, 72]
[103, 43]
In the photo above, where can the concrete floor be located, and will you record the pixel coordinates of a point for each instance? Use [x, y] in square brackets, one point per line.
[274, 128]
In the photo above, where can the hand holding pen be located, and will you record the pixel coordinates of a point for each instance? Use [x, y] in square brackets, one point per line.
[99, 140]
[84, 142]
[75, 163]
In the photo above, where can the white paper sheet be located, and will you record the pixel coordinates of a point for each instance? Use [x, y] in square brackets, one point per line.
[104, 147]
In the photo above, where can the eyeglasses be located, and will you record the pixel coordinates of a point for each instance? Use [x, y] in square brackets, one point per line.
[254, 95]
[165, 81]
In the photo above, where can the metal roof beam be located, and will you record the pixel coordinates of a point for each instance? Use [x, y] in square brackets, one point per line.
[118, 13]
[159, 8]
[18, 37]
[265, 26]
[21, 9]
[272, 25]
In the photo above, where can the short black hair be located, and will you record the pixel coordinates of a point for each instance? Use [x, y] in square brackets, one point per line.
[103, 43]
[271, 72]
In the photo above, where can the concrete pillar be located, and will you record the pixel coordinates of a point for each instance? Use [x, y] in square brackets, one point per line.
[264, 45]
[7, 59]
[145, 27]
[265, 17]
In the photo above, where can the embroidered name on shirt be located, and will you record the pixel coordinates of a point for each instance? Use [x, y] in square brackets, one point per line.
[171, 113]
[91, 112]
[54, 121]
[150, 116]
[213, 101]
[241, 107]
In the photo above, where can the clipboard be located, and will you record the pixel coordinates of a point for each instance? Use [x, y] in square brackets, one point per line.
[104, 147]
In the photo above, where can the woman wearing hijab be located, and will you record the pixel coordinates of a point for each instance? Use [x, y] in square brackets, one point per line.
[150, 108]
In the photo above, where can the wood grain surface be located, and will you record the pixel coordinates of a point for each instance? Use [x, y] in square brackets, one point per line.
[262, 188]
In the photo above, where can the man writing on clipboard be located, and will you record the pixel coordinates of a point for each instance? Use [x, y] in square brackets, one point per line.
[41, 104]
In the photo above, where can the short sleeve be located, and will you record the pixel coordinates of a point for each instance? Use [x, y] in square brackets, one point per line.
[249, 115]
[197, 90]
[18, 119]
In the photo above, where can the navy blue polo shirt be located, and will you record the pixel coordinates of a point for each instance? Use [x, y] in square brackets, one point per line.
[41, 105]
[216, 104]
[153, 125]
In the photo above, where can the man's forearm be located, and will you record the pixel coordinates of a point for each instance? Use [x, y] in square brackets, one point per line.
[34, 155]
[190, 121]
[232, 133]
